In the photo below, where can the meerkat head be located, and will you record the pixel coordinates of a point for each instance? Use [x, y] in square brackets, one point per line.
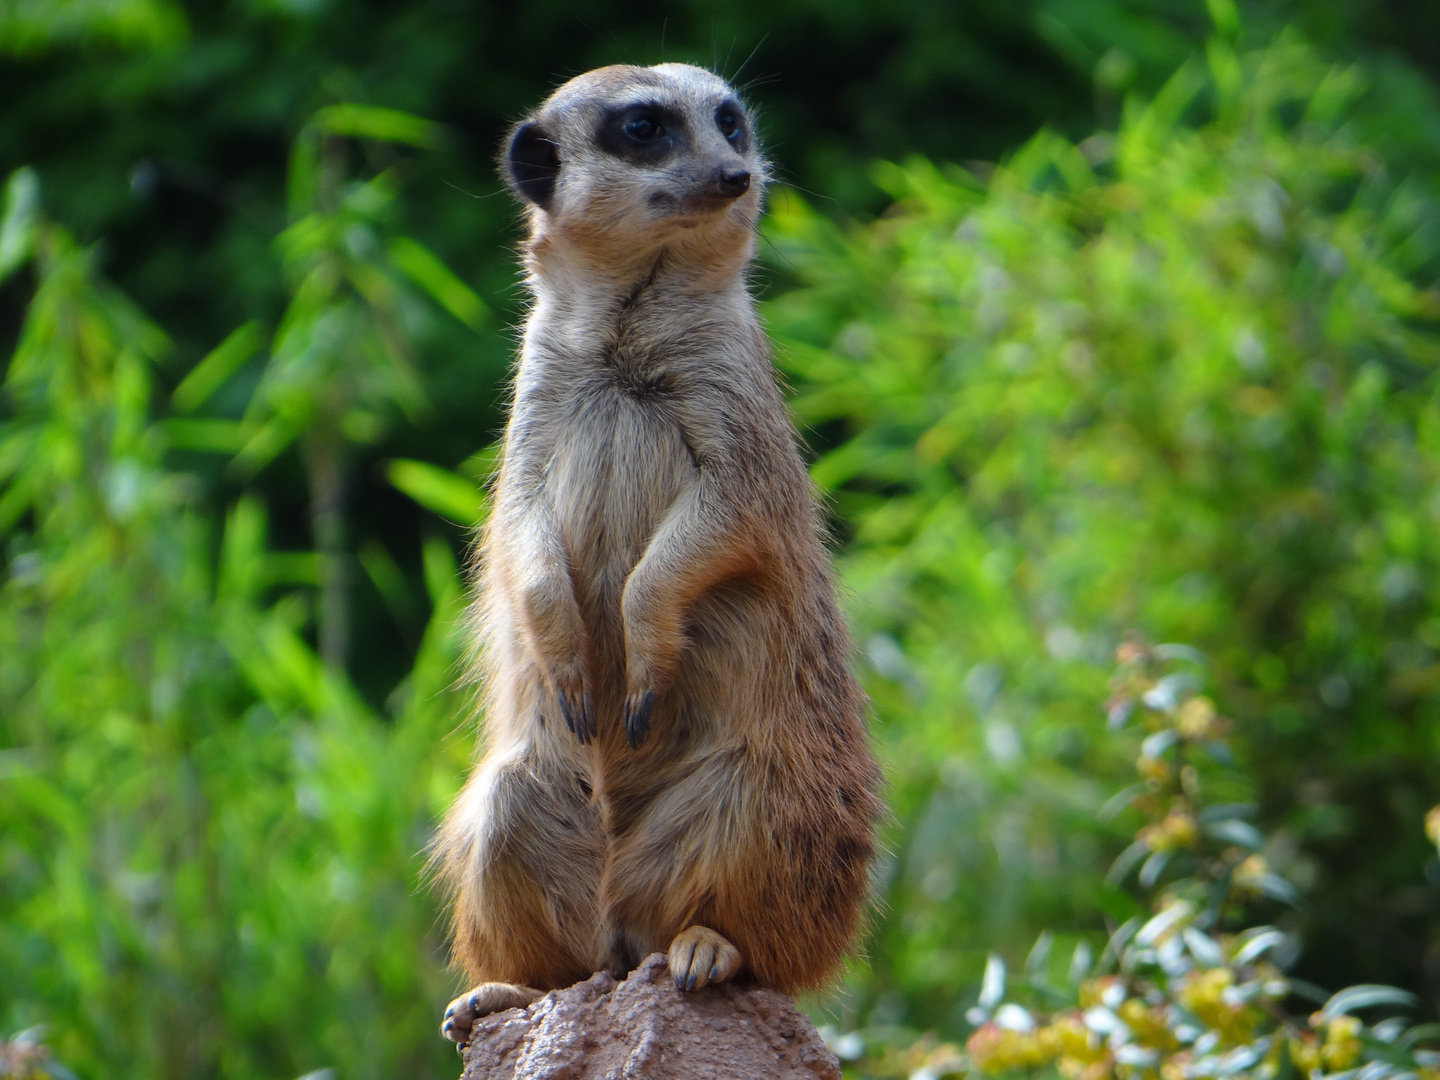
[622, 162]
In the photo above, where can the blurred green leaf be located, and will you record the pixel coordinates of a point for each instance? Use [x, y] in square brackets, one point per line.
[441, 576]
[447, 493]
[17, 228]
[382, 124]
[432, 275]
[389, 581]
[1178, 375]
[208, 436]
[216, 367]
[1364, 997]
[30, 27]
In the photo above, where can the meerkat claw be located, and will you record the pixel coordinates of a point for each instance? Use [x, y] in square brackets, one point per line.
[699, 956]
[637, 718]
[579, 713]
[585, 719]
[487, 998]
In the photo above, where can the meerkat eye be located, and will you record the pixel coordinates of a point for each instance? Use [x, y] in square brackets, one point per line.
[729, 125]
[644, 128]
[643, 133]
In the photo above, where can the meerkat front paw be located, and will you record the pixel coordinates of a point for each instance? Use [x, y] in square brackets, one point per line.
[578, 709]
[638, 706]
[646, 676]
[487, 998]
[653, 641]
[556, 635]
[567, 676]
[699, 956]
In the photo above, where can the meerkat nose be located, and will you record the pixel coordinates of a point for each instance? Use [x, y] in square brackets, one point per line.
[731, 183]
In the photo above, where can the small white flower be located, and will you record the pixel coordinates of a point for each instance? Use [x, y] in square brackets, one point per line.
[1014, 1018]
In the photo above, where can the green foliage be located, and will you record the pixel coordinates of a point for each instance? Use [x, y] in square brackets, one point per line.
[1181, 378]
[35, 26]
[211, 853]
[173, 153]
[1193, 990]
[1178, 376]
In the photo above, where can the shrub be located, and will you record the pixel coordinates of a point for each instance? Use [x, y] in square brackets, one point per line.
[1181, 378]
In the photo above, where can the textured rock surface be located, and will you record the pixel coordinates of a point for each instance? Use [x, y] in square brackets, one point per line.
[644, 1027]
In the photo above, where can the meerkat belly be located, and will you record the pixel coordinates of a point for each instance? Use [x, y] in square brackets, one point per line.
[615, 477]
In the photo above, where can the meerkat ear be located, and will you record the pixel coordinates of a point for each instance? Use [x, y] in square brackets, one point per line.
[532, 163]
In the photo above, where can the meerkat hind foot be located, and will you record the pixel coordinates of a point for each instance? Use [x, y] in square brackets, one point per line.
[699, 956]
[487, 998]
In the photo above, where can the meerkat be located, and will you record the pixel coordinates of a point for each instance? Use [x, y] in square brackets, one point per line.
[674, 749]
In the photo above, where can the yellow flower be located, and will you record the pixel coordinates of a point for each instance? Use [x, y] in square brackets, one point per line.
[1075, 1069]
[1178, 830]
[1148, 1025]
[1068, 1036]
[1432, 825]
[1152, 769]
[1305, 1054]
[1204, 995]
[1342, 1043]
[1092, 991]
[1197, 719]
[1342, 1027]
[995, 1049]
[1248, 874]
[945, 1060]
[1340, 1056]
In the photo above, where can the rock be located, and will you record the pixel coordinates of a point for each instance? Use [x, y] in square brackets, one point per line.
[643, 1027]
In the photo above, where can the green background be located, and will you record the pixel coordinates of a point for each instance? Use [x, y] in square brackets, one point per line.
[1133, 325]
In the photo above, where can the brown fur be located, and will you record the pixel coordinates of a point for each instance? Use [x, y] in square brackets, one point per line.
[653, 529]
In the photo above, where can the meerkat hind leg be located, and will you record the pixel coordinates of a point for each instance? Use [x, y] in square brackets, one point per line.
[487, 998]
[699, 956]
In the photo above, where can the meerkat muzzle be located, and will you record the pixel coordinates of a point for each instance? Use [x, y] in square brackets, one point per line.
[731, 183]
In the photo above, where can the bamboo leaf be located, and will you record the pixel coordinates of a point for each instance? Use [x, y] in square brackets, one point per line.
[203, 435]
[448, 494]
[216, 367]
[22, 213]
[425, 269]
[381, 124]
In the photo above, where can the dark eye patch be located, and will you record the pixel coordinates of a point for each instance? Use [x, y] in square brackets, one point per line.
[730, 121]
[642, 134]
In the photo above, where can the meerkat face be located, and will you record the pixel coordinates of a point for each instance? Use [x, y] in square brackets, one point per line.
[622, 159]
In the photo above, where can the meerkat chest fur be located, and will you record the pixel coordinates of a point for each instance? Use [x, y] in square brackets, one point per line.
[624, 394]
